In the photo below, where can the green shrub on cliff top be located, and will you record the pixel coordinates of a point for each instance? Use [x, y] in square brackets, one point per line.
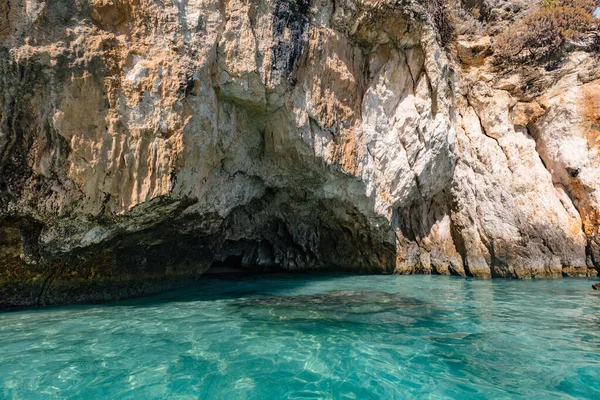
[546, 29]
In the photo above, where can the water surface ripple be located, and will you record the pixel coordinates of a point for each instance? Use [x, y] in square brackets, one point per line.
[314, 337]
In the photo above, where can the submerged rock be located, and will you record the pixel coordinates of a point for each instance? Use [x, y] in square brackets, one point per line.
[360, 301]
[596, 286]
[362, 306]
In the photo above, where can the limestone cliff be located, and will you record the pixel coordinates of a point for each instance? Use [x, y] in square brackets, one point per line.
[142, 141]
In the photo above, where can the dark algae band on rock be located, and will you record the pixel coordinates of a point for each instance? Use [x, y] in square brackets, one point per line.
[142, 142]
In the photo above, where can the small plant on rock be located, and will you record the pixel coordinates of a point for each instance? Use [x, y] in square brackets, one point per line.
[441, 12]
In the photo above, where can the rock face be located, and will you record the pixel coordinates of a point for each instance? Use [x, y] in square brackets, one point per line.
[143, 141]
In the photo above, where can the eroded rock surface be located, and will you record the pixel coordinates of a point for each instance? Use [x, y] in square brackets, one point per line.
[142, 141]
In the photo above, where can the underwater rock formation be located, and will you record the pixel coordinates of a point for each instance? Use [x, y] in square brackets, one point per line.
[362, 306]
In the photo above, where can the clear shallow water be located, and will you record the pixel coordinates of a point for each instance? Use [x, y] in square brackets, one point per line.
[306, 337]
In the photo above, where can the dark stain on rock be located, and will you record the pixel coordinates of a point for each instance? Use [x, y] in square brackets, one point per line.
[187, 84]
[573, 172]
[290, 30]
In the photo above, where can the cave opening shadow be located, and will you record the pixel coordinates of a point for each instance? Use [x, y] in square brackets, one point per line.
[231, 265]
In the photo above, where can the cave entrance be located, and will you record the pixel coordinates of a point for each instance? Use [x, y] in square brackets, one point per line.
[231, 265]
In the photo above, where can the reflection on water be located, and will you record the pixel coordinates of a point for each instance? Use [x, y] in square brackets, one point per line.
[304, 336]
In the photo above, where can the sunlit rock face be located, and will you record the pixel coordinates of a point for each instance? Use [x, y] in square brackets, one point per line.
[142, 141]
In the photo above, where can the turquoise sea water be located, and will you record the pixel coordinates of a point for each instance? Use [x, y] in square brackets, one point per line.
[314, 337]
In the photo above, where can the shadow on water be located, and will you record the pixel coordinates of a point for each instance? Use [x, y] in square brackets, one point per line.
[310, 301]
[235, 286]
[325, 291]
[244, 286]
[272, 286]
[269, 288]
